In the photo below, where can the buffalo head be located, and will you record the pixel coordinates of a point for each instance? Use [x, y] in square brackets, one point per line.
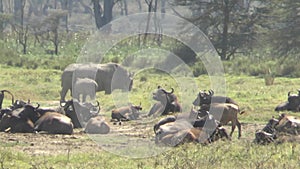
[80, 112]
[203, 98]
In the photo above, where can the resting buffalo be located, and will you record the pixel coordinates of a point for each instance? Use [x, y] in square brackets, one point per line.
[108, 76]
[176, 132]
[285, 128]
[126, 113]
[80, 113]
[54, 123]
[85, 87]
[20, 120]
[97, 125]
[167, 102]
[208, 98]
[292, 104]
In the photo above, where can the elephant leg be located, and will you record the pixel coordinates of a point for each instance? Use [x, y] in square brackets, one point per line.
[84, 97]
[63, 94]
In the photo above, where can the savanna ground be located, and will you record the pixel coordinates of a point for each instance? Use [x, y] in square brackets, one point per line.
[80, 151]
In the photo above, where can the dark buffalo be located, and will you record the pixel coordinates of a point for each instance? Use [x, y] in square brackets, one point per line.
[20, 120]
[108, 76]
[162, 122]
[80, 113]
[167, 102]
[97, 125]
[126, 113]
[292, 104]
[208, 98]
[54, 123]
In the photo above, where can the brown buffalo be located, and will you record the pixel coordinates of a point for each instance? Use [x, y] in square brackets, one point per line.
[126, 113]
[54, 123]
[288, 124]
[173, 131]
[97, 125]
[225, 113]
[284, 129]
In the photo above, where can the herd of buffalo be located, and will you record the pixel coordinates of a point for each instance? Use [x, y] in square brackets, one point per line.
[203, 124]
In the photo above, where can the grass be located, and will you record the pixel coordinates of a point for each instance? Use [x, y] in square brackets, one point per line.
[259, 101]
[236, 154]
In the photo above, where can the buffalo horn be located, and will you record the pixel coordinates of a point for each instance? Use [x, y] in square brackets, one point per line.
[38, 105]
[211, 92]
[12, 96]
[98, 105]
[289, 93]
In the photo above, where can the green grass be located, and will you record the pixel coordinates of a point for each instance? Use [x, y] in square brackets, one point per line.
[259, 101]
[236, 154]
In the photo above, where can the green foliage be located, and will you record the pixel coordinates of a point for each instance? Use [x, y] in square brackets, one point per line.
[229, 24]
[279, 23]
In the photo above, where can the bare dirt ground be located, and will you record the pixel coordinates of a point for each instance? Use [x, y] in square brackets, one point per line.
[49, 144]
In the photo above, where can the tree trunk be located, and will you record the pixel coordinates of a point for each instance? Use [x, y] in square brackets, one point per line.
[124, 7]
[108, 7]
[18, 11]
[163, 8]
[64, 5]
[97, 13]
[70, 7]
[224, 45]
[102, 17]
[140, 5]
[1, 24]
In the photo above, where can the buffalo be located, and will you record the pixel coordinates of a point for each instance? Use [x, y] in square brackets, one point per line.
[208, 98]
[20, 120]
[226, 112]
[285, 128]
[174, 130]
[97, 125]
[79, 112]
[108, 77]
[292, 104]
[126, 113]
[167, 102]
[54, 123]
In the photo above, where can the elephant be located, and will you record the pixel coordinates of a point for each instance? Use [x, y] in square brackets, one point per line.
[85, 87]
[109, 76]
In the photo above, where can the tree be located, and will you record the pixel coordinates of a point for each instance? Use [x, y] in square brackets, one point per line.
[1, 13]
[228, 23]
[103, 15]
[52, 22]
[284, 26]
[19, 26]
